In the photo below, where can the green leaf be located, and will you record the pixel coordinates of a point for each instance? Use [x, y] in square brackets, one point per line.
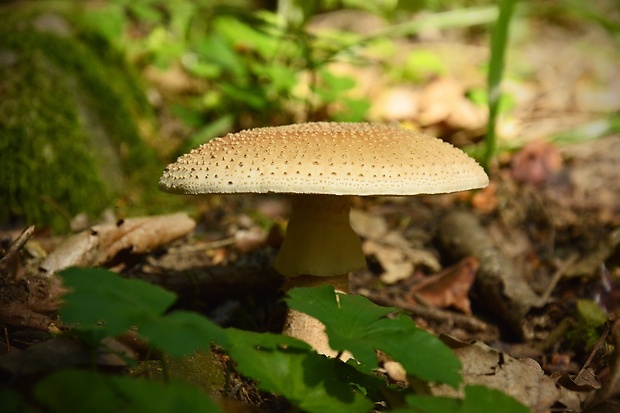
[353, 110]
[355, 324]
[87, 391]
[477, 399]
[145, 12]
[214, 49]
[374, 387]
[333, 86]
[243, 35]
[218, 127]
[14, 402]
[288, 367]
[431, 404]
[101, 300]
[104, 303]
[484, 399]
[182, 332]
[241, 339]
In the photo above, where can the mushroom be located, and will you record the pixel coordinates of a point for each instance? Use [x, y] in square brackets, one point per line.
[322, 165]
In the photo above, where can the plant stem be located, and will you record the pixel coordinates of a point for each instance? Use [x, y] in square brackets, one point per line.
[499, 41]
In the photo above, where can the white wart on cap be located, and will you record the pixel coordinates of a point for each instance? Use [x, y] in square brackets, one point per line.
[324, 161]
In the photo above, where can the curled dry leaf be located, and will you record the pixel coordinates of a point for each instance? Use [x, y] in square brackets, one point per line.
[102, 243]
[395, 371]
[398, 259]
[392, 259]
[448, 288]
[395, 254]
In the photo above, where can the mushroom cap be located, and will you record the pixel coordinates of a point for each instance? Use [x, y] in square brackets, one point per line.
[324, 158]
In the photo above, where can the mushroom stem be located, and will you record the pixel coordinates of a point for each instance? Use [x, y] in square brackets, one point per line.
[319, 239]
[309, 329]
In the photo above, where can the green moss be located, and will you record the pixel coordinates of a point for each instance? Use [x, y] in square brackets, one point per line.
[586, 331]
[69, 140]
[202, 369]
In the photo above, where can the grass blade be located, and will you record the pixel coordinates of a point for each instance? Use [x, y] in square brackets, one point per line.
[499, 42]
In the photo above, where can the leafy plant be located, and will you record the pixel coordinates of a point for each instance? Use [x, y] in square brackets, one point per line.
[88, 391]
[251, 68]
[101, 304]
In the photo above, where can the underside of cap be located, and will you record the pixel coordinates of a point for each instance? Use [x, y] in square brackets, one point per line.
[324, 158]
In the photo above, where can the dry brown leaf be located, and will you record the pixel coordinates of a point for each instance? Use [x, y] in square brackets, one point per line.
[522, 379]
[444, 100]
[467, 115]
[486, 200]
[395, 254]
[448, 288]
[395, 265]
[536, 163]
[101, 243]
[398, 259]
[438, 99]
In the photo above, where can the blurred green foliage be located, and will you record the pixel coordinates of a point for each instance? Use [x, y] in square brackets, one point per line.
[254, 67]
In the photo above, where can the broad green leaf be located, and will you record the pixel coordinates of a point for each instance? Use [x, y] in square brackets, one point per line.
[101, 300]
[374, 387]
[333, 86]
[87, 391]
[14, 402]
[241, 339]
[104, 303]
[484, 399]
[214, 49]
[355, 324]
[182, 332]
[477, 399]
[239, 33]
[430, 404]
[291, 369]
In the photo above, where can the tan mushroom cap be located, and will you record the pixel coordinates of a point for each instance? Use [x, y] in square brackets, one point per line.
[324, 158]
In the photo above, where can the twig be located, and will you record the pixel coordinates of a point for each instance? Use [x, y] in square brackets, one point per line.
[599, 344]
[558, 276]
[224, 242]
[6, 338]
[13, 252]
[430, 313]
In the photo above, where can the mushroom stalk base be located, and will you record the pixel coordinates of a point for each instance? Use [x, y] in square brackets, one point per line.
[319, 239]
[309, 329]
